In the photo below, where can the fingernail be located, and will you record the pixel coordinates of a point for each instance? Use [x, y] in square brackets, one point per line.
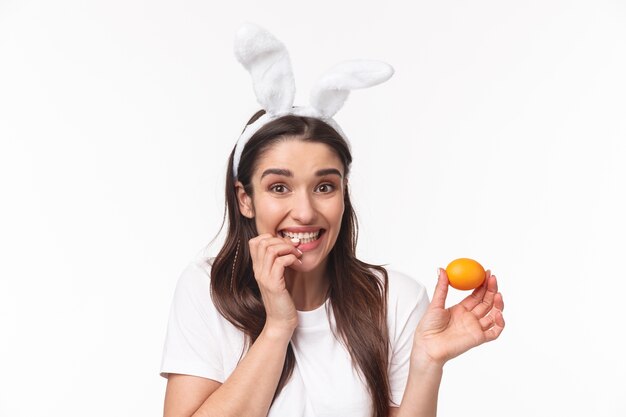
[438, 271]
[299, 251]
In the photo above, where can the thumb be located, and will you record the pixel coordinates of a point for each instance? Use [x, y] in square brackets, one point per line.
[441, 290]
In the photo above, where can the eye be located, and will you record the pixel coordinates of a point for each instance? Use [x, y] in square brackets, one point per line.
[326, 188]
[278, 188]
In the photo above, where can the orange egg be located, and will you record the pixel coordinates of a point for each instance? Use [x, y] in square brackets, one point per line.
[465, 274]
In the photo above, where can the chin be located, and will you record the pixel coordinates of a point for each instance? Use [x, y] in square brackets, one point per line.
[306, 266]
[301, 267]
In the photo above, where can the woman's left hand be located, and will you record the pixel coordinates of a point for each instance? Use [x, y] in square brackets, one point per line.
[444, 333]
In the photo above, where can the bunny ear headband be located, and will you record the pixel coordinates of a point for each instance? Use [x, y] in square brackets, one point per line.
[267, 61]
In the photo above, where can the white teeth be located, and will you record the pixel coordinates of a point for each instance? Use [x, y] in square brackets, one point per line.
[302, 237]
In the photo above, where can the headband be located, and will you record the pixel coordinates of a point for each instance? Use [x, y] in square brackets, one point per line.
[267, 61]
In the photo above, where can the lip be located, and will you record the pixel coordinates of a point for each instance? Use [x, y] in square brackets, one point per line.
[301, 229]
[305, 247]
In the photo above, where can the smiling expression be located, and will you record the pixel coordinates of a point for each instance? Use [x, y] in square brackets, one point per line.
[298, 192]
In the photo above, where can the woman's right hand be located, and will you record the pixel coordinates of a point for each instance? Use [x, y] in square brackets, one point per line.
[270, 256]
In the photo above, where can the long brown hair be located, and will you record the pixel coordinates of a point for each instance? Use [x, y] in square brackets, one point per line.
[358, 291]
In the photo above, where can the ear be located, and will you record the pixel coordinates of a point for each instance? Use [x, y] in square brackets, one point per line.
[246, 208]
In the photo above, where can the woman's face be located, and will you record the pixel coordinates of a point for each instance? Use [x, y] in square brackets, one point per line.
[298, 192]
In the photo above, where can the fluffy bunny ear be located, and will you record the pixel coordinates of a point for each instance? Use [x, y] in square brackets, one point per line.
[267, 61]
[332, 89]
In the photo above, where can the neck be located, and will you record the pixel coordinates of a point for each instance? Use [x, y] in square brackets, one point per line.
[308, 289]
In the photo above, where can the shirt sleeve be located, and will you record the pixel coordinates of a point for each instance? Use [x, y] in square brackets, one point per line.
[407, 303]
[191, 344]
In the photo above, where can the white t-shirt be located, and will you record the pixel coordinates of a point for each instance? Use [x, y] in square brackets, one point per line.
[202, 343]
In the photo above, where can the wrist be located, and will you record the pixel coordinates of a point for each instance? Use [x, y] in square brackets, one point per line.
[423, 362]
[427, 366]
[277, 333]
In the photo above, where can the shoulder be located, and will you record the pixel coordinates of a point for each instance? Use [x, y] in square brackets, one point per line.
[199, 341]
[404, 287]
[193, 288]
[197, 273]
[407, 301]
[404, 293]
[401, 285]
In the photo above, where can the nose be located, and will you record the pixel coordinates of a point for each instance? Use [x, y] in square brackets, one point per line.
[303, 208]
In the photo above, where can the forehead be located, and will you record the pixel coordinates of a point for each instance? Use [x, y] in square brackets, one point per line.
[300, 157]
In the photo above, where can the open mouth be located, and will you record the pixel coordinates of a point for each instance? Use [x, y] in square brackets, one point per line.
[305, 237]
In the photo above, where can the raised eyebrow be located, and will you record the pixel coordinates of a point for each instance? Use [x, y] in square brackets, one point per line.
[288, 173]
[329, 171]
[277, 171]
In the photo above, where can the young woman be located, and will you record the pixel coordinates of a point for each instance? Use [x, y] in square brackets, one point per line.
[285, 320]
[321, 333]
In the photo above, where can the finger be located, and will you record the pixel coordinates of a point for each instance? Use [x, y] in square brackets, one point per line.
[263, 236]
[495, 331]
[476, 297]
[277, 248]
[498, 302]
[252, 245]
[441, 290]
[255, 253]
[493, 318]
[255, 241]
[293, 241]
[277, 274]
[261, 267]
[282, 262]
[489, 320]
[486, 304]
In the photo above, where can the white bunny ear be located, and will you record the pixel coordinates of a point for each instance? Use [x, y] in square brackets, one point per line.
[267, 61]
[332, 89]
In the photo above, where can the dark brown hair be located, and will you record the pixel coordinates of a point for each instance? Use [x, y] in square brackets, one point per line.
[358, 291]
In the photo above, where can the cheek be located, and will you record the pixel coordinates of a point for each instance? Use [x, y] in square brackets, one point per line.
[335, 213]
[269, 213]
[339, 215]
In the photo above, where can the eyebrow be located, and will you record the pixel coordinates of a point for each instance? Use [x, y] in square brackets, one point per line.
[287, 173]
[328, 171]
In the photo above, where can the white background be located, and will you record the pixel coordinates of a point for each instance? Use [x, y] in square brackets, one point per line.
[501, 137]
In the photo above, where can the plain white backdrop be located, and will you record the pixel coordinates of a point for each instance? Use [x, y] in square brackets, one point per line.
[501, 137]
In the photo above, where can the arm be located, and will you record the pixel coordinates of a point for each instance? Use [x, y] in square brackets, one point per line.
[444, 334]
[422, 391]
[184, 394]
[241, 393]
[249, 390]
